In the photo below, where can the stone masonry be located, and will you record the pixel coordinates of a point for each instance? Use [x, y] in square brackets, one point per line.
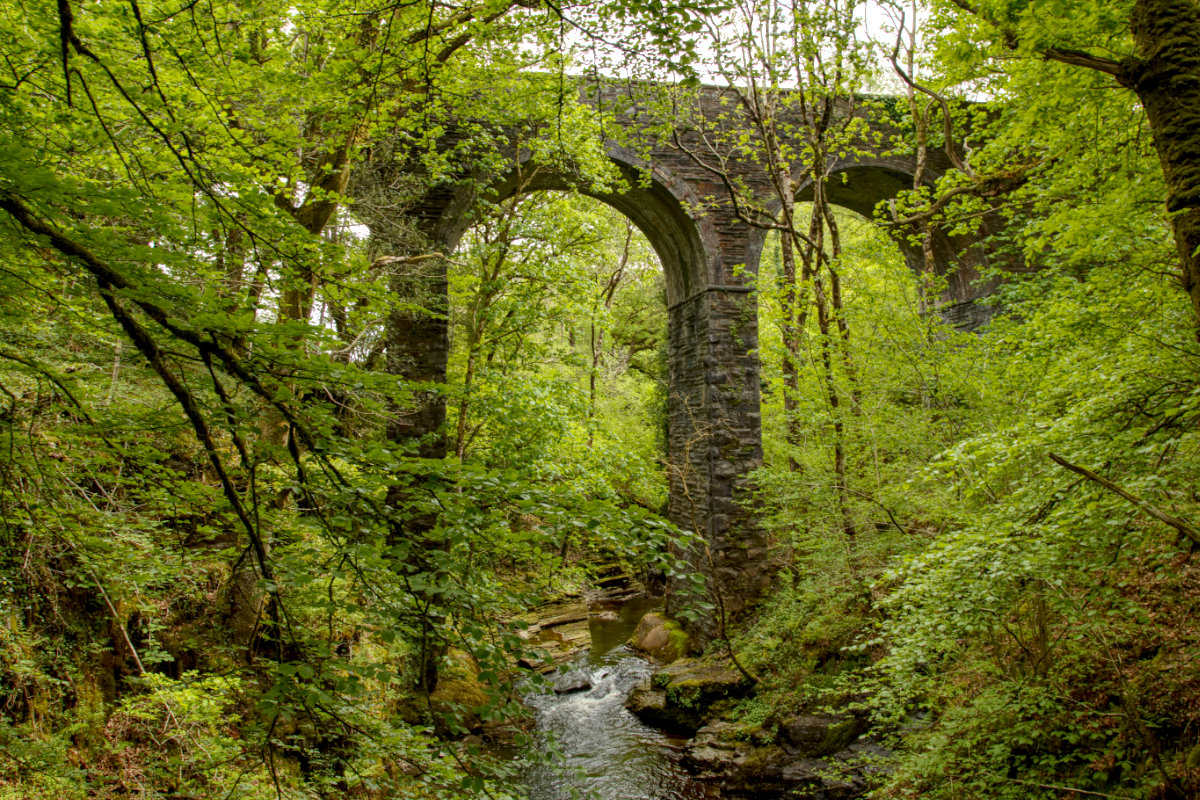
[710, 258]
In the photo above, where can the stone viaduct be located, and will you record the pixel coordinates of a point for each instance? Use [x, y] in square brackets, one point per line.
[709, 258]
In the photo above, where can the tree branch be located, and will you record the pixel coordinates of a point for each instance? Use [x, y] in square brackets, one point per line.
[1064, 55]
[1175, 522]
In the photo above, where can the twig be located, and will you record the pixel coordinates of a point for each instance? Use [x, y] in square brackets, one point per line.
[117, 619]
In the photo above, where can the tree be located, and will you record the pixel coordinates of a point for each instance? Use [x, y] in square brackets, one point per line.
[1153, 46]
[180, 172]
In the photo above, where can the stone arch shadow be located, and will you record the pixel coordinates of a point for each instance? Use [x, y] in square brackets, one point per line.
[653, 198]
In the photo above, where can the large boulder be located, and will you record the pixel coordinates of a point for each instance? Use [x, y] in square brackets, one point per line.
[569, 681]
[692, 683]
[681, 696]
[650, 706]
[661, 638]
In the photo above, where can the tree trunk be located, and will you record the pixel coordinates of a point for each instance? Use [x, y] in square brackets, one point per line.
[790, 325]
[1166, 78]
[418, 345]
[596, 337]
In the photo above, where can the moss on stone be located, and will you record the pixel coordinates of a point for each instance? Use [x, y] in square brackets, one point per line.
[761, 771]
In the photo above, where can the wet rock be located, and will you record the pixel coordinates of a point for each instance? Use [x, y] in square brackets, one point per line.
[680, 696]
[814, 736]
[576, 680]
[650, 706]
[660, 637]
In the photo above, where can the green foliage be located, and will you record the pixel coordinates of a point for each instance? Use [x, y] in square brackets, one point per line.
[224, 575]
[224, 572]
[1002, 610]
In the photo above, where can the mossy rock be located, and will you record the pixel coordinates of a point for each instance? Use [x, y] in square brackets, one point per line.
[694, 684]
[650, 706]
[661, 638]
[685, 694]
[457, 696]
[761, 771]
[815, 736]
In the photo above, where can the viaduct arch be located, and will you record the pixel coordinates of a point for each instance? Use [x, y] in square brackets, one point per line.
[709, 257]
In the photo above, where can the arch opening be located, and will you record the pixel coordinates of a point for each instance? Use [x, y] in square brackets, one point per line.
[958, 260]
[572, 297]
[712, 416]
[655, 200]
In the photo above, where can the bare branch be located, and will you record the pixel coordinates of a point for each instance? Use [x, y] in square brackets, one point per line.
[1162, 516]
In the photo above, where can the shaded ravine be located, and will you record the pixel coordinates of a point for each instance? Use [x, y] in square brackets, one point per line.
[609, 753]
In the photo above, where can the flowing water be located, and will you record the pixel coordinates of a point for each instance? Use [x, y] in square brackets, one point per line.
[609, 753]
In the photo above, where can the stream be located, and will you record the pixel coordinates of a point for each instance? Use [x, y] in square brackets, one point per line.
[609, 753]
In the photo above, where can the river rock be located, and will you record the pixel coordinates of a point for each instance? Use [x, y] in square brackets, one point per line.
[741, 762]
[715, 750]
[576, 680]
[680, 696]
[814, 736]
[721, 755]
[650, 706]
[660, 637]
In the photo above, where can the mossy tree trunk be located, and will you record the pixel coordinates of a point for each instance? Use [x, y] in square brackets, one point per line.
[1166, 78]
[1164, 73]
